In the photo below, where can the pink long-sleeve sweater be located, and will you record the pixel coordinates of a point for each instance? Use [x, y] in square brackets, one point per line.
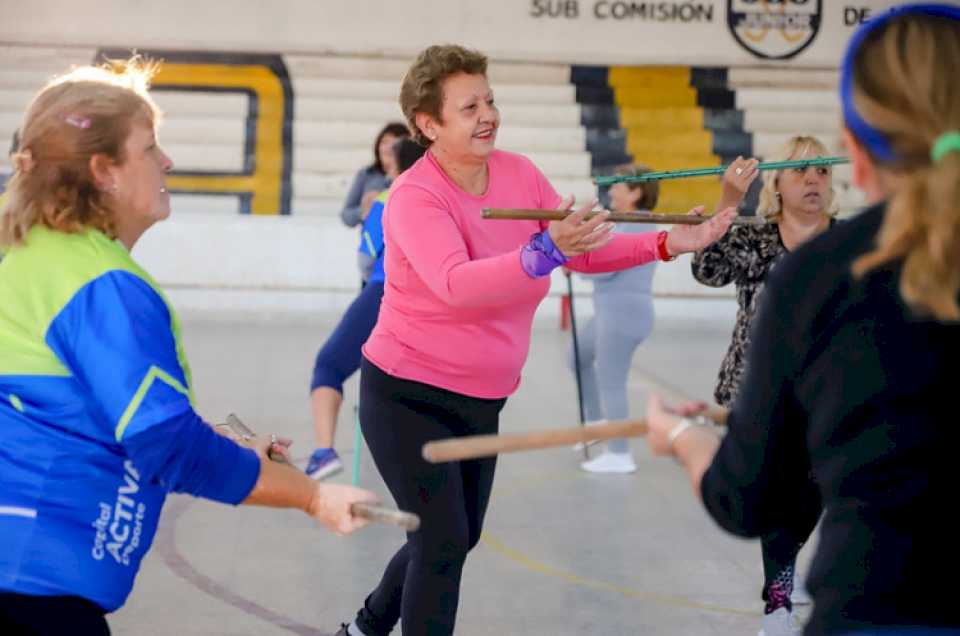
[457, 307]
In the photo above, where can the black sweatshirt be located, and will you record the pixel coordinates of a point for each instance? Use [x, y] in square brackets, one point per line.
[846, 383]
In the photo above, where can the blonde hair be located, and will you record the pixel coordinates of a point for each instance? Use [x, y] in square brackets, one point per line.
[651, 189]
[769, 205]
[904, 87]
[422, 87]
[86, 112]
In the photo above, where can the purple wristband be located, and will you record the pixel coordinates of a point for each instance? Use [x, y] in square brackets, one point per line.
[540, 256]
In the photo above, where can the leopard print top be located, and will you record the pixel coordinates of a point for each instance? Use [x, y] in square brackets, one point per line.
[744, 256]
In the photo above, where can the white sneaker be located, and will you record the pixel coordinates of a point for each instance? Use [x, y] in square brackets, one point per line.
[800, 595]
[610, 463]
[780, 622]
[580, 445]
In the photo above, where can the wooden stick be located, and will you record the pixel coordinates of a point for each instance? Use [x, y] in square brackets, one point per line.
[373, 512]
[474, 446]
[406, 520]
[515, 214]
[457, 448]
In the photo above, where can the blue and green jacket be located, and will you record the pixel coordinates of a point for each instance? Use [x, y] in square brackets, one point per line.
[96, 419]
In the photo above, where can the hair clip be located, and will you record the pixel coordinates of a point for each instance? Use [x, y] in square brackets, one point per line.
[77, 121]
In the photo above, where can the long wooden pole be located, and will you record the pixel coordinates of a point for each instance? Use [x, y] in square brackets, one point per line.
[514, 214]
[373, 512]
[472, 447]
[458, 448]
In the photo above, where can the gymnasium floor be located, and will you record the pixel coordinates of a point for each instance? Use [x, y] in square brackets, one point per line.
[564, 552]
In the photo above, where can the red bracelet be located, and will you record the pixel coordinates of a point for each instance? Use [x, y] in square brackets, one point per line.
[662, 247]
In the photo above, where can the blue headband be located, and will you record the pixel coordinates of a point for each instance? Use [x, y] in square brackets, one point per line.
[873, 139]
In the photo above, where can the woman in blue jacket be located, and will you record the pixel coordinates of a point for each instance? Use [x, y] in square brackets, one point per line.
[339, 358]
[97, 418]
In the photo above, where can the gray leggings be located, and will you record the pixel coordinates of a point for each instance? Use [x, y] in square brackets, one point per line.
[621, 321]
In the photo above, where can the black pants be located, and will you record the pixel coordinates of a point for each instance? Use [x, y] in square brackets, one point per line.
[421, 584]
[23, 615]
[780, 548]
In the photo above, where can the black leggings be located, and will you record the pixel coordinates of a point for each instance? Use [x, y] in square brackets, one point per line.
[421, 584]
[780, 548]
[26, 615]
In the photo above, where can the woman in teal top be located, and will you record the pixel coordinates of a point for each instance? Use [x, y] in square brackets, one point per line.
[97, 419]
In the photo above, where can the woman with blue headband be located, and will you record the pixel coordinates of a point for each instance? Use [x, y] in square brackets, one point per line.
[853, 355]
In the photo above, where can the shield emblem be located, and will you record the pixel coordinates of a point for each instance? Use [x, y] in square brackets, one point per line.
[774, 29]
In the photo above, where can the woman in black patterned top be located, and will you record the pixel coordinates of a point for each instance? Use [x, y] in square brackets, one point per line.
[798, 204]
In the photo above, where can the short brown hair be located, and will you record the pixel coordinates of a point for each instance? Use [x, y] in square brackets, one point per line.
[422, 87]
[86, 112]
[650, 189]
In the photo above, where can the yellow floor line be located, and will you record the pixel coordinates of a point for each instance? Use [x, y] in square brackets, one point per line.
[528, 562]
[574, 579]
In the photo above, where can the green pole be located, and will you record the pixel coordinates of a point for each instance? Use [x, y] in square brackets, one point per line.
[357, 447]
[704, 172]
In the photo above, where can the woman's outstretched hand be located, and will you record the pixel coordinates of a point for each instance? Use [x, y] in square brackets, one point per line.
[693, 238]
[574, 235]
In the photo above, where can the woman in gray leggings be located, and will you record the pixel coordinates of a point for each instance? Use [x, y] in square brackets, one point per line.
[622, 319]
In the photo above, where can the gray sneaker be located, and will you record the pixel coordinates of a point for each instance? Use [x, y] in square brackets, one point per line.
[780, 622]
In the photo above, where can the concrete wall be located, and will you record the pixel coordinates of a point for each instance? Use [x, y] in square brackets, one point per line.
[702, 32]
[227, 262]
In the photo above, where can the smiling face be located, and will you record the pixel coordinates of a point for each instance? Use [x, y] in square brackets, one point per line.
[136, 186]
[141, 195]
[469, 119]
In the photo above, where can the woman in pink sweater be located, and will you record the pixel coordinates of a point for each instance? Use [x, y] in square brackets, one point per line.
[455, 322]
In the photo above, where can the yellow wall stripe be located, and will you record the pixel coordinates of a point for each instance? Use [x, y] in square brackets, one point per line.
[266, 182]
[665, 130]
